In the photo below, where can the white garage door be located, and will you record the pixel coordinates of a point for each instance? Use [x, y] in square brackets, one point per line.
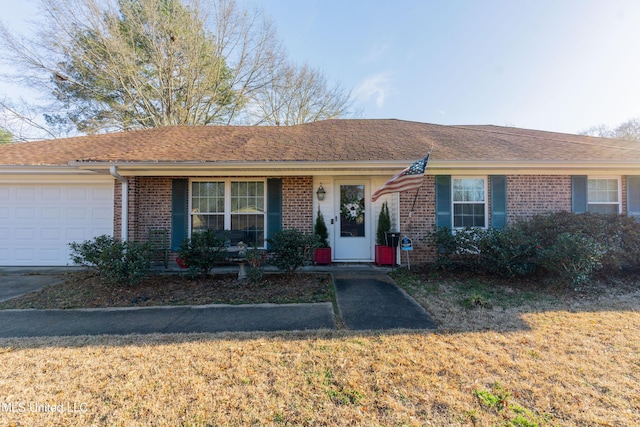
[37, 222]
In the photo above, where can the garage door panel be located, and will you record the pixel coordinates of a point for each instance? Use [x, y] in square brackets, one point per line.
[26, 213]
[101, 214]
[101, 231]
[51, 213]
[39, 222]
[25, 234]
[102, 193]
[77, 194]
[25, 254]
[26, 194]
[50, 234]
[76, 213]
[52, 194]
[51, 254]
[79, 234]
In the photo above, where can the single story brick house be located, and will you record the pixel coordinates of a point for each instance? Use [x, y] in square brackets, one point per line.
[262, 179]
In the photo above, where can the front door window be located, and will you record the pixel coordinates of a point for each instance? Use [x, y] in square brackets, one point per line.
[352, 212]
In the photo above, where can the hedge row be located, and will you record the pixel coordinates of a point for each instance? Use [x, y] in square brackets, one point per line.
[569, 247]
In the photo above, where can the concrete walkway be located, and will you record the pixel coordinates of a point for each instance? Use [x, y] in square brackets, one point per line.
[182, 319]
[374, 301]
[367, 300]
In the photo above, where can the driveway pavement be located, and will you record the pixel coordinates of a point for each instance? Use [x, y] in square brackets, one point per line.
[19, 283]
[367, 300]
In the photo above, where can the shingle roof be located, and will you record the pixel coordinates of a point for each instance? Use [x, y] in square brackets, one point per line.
[331, 140]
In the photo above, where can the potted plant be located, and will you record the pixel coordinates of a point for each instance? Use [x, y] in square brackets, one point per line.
[385, 254]
[322, 253]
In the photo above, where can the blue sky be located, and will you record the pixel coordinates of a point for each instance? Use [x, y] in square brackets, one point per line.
[558, 65]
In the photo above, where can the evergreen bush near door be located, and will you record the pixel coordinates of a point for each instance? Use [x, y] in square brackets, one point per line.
[291, 249]
[384, 225]
[320, 231]
[322, 253]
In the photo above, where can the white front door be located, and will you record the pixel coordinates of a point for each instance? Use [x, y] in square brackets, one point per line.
[352, 211]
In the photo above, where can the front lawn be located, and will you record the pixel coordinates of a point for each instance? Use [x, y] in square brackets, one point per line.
[506, 354]
[464, 301]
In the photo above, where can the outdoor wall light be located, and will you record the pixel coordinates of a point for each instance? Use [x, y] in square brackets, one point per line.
[321, 193]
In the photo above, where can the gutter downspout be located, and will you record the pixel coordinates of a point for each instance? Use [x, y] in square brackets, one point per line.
[125, 202]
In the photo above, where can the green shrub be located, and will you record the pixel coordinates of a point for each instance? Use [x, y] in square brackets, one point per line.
[384, 225]
[567, 246]
[203, 251]
[508, 252]
[619, 235]
[573, 257]
[571, 247]
[255, 258]
[320, 231]
[458, 249]
[117, 262]
[291, 249]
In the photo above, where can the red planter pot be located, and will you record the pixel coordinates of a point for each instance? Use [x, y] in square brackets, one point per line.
[181, 263]
[385, 255]
[322, 256]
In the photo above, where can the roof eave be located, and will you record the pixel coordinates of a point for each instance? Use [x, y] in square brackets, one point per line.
[294, 168]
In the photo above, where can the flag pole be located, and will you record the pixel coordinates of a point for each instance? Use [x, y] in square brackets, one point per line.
[415, 199]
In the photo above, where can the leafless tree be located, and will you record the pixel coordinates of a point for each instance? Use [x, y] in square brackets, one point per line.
[20, 122]
[300, 95]
[629, 130]
[126, 64]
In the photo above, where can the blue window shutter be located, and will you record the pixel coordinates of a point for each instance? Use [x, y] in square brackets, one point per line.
[579, 193]
[633, 196]
[443, 201]
[274, 206]
[179, 203]
[498, 201]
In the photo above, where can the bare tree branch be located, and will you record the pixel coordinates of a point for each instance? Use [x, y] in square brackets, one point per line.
[108, 65]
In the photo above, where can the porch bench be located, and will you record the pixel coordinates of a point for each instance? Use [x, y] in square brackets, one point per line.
[232, 238]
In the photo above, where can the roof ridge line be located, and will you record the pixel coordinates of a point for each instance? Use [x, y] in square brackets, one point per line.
[591, 144]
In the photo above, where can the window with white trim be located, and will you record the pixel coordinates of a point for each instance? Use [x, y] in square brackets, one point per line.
[469, 202]
[230, 205]
[603, 195]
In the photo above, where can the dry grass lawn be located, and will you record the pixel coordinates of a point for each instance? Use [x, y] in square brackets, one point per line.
[570, 361]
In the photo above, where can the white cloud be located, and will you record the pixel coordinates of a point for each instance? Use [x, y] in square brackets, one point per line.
[377, 86]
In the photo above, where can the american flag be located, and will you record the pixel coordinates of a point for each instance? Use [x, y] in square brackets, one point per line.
[409, 179]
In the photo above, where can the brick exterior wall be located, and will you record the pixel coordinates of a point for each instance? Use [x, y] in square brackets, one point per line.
[421, 224]
[297, 203]
[153, 205]
[150, 205]
[528, 195]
